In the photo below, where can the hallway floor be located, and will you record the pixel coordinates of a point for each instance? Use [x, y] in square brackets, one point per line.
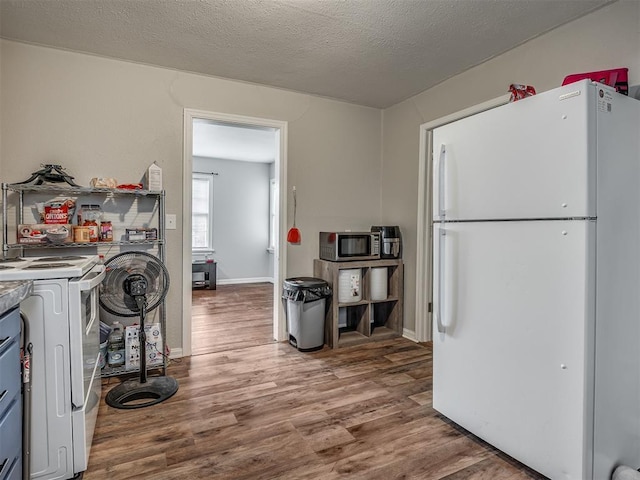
[232, 316]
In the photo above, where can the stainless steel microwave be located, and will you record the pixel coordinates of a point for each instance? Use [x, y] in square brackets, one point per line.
[348, 246]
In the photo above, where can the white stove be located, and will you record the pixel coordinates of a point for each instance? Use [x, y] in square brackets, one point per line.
[63, 319]
[42, 268]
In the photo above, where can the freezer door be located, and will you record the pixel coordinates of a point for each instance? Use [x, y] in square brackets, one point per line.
[512, 334]
[530, 159]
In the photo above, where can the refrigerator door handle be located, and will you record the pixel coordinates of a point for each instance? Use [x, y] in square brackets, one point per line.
[441, 181]
[441, 292]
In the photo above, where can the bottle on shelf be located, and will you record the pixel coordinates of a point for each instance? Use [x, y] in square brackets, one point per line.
[92, 225]
[106, 231]
[115, 352]
[90, 215]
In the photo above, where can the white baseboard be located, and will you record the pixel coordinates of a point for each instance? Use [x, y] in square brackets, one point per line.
[409, 335]
[176, 353]
[233, 281]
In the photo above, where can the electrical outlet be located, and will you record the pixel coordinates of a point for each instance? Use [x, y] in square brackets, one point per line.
[170, 221]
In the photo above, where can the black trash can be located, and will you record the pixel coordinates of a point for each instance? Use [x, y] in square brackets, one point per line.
[304, 300]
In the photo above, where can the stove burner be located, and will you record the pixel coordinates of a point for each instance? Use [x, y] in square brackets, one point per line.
[41, 266]
[5, 267]
[59, 259]
[11, 260]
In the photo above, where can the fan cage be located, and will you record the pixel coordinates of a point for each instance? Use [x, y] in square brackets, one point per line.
[121, 267]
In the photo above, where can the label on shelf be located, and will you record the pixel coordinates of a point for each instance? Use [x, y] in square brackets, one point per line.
[349, 285]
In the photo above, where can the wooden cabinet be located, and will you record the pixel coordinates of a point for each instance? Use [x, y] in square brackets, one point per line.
[362, 317]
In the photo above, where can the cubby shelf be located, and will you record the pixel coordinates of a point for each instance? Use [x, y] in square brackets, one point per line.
[368, 320]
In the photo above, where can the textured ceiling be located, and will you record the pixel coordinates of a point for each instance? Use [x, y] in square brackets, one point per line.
[368, 52]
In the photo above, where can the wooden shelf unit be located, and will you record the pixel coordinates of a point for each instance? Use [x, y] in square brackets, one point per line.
[367, 320]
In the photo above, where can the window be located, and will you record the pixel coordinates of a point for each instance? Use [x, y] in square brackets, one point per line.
[202, 212]
[273, 228]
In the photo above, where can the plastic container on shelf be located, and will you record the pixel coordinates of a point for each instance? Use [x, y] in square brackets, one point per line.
[379, 286]
[90, 215]
[105, 330]
[115, 352]
[81, 234]
[103, 354]
[350, 285]
[89, 212]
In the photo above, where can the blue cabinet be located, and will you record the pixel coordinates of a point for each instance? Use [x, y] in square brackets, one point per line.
[10, 397]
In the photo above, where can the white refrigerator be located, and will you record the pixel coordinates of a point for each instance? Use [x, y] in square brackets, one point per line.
[536, 279]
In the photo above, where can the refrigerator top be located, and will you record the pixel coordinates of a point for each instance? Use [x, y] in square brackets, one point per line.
[531, 159]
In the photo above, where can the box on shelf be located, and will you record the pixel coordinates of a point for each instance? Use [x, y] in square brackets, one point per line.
[57, 211]
[132, 346]
[138, 234]
[153, 178]
[43, 234]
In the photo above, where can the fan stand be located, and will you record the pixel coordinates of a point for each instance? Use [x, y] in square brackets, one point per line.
[142, 392]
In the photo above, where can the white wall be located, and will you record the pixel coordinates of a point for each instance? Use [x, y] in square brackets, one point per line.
[240, 218]
[106, 118]
[607, 38]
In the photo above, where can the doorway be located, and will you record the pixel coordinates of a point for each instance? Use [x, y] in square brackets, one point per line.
[248, 250]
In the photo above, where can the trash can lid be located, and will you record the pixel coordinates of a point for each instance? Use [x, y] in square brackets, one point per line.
[304, 282]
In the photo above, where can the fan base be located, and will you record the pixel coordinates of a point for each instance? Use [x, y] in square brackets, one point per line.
[134, 394]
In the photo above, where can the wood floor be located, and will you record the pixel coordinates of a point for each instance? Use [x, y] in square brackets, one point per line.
[232, 316]
[270, 412]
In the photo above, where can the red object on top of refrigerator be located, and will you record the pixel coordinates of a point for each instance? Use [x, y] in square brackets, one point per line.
[617, 78]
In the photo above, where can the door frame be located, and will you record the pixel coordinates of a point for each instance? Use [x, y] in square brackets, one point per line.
[280, 253]
[424, 256]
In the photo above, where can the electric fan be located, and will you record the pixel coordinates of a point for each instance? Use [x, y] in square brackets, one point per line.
[135, 283]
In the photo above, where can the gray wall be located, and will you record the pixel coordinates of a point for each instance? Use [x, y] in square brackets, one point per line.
[101, 117]
[240, 219]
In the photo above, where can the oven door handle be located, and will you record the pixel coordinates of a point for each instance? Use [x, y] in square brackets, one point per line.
[92, 279]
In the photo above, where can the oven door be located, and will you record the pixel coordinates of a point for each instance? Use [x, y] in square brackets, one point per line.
[84, 327]
[83, 422]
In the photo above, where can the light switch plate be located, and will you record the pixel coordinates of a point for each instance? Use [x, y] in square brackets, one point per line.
[170, 221]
